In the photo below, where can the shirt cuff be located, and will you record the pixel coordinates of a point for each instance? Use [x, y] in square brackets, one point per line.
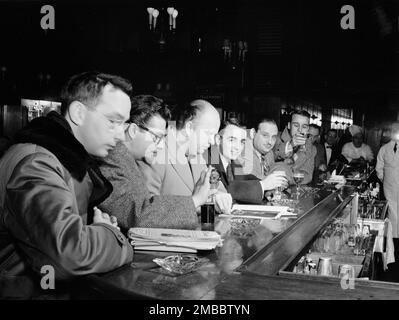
[261, 185]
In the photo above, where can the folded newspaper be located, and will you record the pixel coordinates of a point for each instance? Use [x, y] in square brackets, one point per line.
[260, 211]
[176, 240]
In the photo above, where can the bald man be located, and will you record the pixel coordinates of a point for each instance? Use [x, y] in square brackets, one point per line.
[178, 167]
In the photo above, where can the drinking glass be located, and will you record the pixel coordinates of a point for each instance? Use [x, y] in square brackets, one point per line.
[298, 178]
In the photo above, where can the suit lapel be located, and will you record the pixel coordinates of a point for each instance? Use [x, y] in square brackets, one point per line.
[219, 167]
[179, 163]
[257, 164]
[183, 171]
[197, 165]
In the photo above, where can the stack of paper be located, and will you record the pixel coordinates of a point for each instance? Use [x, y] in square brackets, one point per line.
[177, 240]
[259, 211]
[336, 178]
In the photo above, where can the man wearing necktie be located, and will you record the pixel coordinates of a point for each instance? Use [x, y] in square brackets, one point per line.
[177, 168]
[226, 158]
[387, 168]
[130, 201]
[258, 157]
[330, 146]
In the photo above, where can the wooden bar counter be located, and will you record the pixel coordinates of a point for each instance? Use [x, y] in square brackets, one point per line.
[248, 265]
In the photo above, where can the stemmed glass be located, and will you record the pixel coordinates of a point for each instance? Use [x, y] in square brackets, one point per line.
[298, 176]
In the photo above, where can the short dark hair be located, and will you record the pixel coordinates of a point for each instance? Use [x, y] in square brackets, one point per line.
[144, 107]
[302, 113]
[315, 126]
[332, 130]
[232, 122]
[87, 87]
[265, 120]
[190, 112]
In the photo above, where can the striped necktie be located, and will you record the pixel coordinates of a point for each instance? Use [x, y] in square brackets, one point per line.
[265, 164]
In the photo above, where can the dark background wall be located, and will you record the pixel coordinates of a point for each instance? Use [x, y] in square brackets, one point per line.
[297, 52]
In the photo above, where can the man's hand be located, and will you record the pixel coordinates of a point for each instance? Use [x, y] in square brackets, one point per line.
[102, 217]
[274, 180]
[223, 202]
[298, 140]
[202, 188]
[322, 167]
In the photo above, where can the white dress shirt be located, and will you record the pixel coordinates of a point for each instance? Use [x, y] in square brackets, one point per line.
[328, 151]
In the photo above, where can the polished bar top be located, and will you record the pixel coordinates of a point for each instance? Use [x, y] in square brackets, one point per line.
[253, 252]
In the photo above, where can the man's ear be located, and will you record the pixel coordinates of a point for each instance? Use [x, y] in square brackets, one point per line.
[252, 133]
[218, 139]
[77, 112]
[188, 128]
[132, 130]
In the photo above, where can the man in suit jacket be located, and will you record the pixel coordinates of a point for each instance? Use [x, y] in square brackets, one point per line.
[177, 168]
[331, 148]
[130, 201]
[294, 148]
[258, 154]
[230, 143]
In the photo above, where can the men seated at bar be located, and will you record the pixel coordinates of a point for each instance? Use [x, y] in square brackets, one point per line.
[131, 201]
[294, 148]
[177, 168]
[225, 157]
[259, 154]
[357, 152]
[50, 188]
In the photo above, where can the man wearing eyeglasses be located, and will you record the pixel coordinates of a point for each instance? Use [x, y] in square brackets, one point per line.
[294, 148]
[50, 186]
[131, 202]
[181, 164]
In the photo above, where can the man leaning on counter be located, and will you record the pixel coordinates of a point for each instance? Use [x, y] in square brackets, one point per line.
[179, 165]
[131, 202]
[50, 185]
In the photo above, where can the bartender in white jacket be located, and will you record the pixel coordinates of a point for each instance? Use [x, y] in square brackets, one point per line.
[388, 172]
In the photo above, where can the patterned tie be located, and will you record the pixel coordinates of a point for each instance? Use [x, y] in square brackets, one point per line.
[395, 147]
[265, 164]
[229, 173]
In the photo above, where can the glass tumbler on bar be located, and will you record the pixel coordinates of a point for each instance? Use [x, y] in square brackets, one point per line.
[208, 209]
[298, 178]
[208, 216]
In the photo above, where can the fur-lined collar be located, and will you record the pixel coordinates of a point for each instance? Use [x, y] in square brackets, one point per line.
[54, 133]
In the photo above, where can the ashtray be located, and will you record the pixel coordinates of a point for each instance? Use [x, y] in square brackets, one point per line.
[180, 264]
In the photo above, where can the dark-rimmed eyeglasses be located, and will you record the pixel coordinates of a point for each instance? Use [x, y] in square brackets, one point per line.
[155, 137]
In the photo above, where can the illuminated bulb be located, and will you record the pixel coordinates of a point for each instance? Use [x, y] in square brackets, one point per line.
[150, 10]
[170, 12]
[155, 14]
[174, 15]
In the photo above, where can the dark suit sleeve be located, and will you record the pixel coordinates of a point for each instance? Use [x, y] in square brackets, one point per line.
[134, 206]
[246, 191]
